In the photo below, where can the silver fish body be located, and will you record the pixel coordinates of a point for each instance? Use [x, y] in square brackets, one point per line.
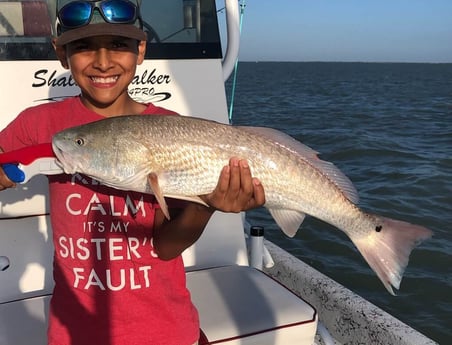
[185, 155]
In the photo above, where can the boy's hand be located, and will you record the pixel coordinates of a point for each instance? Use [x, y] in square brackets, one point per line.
[236, 190]
[5, 182]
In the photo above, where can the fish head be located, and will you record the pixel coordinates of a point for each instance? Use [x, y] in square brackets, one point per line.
[80, 151]
[100, 152]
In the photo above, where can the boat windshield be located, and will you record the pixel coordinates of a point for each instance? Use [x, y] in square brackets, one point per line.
[176, 29]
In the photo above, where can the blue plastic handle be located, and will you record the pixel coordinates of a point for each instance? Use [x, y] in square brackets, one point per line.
[14, 173]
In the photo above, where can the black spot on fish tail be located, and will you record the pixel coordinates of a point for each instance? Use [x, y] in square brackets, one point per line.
[378, 228]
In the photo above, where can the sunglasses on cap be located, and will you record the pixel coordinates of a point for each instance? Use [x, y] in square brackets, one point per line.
[79, 13]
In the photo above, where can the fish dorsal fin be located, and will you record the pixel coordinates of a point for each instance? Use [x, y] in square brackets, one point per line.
[288, 220]
[308, 155]
[338, 178]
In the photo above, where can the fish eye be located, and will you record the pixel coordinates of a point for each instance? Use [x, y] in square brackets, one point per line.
[79, 142]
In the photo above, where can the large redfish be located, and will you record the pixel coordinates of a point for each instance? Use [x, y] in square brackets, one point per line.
[181, 157]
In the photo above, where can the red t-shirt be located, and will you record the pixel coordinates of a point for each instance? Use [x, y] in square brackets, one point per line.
[110, 287]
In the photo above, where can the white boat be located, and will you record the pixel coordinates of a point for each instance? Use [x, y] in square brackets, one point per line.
[285, 302]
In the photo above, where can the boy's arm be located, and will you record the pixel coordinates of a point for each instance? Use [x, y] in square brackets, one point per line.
[236, 191]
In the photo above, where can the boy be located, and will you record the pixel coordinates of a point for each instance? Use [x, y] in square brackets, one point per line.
[128, 286]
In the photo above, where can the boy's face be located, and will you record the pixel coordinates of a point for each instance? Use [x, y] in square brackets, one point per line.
[102, 66]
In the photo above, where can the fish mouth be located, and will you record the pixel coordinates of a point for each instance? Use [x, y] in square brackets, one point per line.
[62, 161]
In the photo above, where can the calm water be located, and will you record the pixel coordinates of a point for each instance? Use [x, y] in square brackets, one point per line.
[389, 128]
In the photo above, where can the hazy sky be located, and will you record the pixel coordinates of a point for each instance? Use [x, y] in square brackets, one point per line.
[347, 30]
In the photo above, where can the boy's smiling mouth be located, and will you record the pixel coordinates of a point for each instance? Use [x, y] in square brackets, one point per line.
[105, 80]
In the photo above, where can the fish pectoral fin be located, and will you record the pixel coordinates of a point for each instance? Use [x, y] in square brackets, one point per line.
[155, 187]
[195, 199]
[288, 220]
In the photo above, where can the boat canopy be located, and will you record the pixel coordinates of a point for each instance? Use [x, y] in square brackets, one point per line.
[176, 29]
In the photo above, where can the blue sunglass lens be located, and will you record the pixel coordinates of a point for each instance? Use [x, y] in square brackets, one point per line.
[78, 13]
[117, 11]
[75, 14]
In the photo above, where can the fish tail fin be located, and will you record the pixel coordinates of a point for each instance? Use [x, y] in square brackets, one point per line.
[388, 247]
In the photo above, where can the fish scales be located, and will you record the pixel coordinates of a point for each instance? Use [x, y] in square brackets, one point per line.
[270, 163]
[186, 155]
